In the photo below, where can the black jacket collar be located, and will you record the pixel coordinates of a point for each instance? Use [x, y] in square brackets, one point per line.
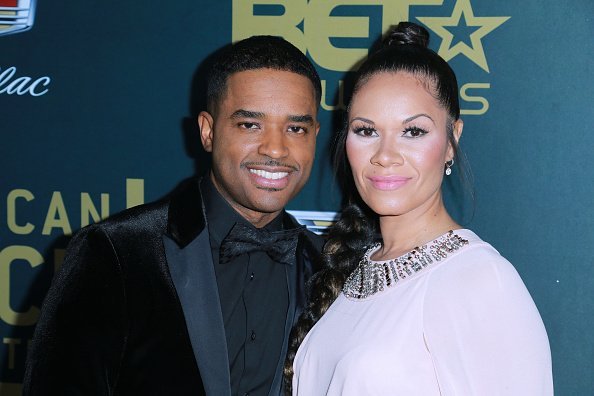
[186, 216]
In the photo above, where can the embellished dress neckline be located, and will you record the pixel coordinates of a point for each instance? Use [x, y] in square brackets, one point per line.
[371, 277]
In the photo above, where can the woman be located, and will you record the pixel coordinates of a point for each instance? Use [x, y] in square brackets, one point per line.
[429, 308]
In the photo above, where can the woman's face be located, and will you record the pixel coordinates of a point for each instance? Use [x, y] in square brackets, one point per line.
[397, 144]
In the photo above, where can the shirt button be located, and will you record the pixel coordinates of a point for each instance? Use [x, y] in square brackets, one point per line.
[252, 276]
[253, 336]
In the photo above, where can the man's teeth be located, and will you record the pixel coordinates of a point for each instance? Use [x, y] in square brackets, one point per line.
[269, 175]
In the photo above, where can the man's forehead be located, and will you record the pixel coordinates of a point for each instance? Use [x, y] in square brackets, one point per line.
[267, 76]
[254, 90]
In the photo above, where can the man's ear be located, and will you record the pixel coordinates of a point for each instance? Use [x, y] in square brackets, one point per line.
[206, 125]
[458, 126]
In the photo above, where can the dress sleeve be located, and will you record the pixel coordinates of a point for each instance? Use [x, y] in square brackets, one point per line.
[80, 336]
[482, 329]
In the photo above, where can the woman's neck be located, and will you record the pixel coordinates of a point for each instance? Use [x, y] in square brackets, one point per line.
[404, 232]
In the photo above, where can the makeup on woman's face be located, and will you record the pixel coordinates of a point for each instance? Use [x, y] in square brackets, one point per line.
[397, 143]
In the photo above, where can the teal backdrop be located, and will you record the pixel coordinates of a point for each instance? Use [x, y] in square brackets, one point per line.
[98, 101]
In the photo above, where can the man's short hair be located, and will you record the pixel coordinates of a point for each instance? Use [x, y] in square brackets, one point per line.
[258, 52]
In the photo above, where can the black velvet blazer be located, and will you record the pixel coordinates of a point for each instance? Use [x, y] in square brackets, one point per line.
[134, 309]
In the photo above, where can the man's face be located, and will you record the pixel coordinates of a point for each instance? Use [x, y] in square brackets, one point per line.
[262, 140]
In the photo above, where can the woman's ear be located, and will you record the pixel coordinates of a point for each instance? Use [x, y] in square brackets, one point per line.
[458, 126]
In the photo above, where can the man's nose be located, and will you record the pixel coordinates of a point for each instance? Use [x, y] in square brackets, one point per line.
[274, 143]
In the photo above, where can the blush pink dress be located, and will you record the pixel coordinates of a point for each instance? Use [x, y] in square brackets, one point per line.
[464, 325]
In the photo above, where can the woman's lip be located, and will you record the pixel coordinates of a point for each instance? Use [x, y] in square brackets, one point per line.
[388, 182]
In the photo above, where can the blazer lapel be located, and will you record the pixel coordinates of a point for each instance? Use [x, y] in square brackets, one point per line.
[187, 248]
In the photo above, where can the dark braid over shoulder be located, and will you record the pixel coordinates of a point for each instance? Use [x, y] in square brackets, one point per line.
[348, 239]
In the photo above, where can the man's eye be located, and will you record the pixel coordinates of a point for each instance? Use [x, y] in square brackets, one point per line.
[249, 125]
[297, 129]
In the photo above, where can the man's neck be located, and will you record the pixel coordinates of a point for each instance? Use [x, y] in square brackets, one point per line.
[257, 219]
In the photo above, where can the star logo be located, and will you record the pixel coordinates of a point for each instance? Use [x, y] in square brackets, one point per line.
[481, 26]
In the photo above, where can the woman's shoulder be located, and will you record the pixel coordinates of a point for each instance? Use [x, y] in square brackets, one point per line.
[475, 256]
[481, 325]
[476, 269]
[479, 283]
[476, 245]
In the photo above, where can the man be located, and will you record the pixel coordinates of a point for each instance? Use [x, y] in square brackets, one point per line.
[197, 294]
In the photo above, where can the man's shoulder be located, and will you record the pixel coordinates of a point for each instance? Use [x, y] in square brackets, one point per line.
[144, 218]
[154, 217]
[140, 225]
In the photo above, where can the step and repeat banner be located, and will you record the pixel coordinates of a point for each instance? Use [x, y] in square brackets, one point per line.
[98, 101]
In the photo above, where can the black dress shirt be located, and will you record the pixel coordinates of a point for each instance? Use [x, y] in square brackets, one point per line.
[254, 298]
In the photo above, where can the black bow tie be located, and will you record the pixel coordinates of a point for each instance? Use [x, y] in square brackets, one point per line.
[279, 245]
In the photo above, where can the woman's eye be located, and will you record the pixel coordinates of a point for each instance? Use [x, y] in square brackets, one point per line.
[365, 131]
[414, 132]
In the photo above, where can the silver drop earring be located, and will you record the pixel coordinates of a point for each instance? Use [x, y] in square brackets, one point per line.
[448, 165]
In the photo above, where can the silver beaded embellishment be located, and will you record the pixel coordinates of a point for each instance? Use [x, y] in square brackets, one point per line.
[371, 277]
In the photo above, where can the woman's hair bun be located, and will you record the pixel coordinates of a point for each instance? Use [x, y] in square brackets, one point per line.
[407, 33]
